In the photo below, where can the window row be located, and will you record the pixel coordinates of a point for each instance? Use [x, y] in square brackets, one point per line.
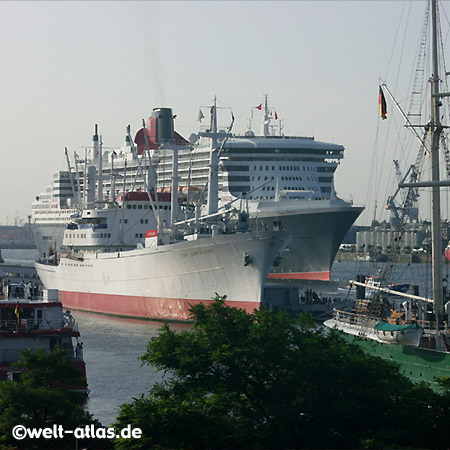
[286, 168]
[146, 206]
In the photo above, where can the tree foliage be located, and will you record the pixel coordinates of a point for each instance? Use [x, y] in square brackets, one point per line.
[265, 380]
[41, 398]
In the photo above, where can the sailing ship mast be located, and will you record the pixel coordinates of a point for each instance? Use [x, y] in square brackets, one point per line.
[436, 129]
[418, 343]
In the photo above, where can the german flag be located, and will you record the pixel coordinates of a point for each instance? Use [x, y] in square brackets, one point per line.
[383, 107]
[16, 312]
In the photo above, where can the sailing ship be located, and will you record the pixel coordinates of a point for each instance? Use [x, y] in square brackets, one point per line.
[287, 178]
[180, 263]
[413, 331]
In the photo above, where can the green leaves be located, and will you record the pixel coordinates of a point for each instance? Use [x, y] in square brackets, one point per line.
[41, 399]
[265, 380]
[48, 369]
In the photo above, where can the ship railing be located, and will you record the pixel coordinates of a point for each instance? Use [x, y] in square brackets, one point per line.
[20, 325]
[427, 324]
[67, 323]
[356, 321]
[430, 327]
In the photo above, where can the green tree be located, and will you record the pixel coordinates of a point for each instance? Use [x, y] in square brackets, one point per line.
[266, 380]
[41, 398]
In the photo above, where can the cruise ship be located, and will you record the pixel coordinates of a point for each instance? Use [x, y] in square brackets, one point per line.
[284, 179]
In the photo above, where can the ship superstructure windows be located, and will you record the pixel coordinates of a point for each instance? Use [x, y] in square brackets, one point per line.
[246, 165]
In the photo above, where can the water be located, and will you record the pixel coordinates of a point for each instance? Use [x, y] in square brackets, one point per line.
[112, 346]
[114, 372]
[19, 255]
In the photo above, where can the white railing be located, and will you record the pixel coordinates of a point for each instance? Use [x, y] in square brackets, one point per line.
[357, 321]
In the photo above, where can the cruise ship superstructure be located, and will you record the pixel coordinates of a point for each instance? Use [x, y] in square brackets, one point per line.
[282, 179]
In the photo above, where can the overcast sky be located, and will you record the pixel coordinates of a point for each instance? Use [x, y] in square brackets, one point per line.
[68, 65]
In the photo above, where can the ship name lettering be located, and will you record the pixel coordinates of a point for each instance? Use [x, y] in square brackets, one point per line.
[196, 253]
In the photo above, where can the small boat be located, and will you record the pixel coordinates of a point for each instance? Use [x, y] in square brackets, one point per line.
[402, 334]
[36, 324]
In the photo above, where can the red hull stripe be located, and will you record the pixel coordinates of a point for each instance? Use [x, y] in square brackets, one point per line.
[139, 307]
[300, 276]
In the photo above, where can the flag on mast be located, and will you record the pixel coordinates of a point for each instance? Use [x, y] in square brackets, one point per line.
[200, 115]
[383, 107]
[259, 106]
[276, 115]
[16, 312]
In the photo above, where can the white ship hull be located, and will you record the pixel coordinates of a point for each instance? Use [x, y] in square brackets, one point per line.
[316, 230]
[162, 282]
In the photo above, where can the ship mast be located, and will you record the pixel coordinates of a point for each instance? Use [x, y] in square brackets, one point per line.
[213, 175]
[436, 129]
[213, 178]
[265, 119]
[100, 175]
[435, 183]
[70, 176]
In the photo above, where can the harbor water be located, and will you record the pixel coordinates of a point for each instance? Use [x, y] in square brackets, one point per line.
[112, 346]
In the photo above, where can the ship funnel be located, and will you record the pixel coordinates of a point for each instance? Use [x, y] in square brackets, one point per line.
[162, 120]
[91, 186]
[95, 144]
[159, 129]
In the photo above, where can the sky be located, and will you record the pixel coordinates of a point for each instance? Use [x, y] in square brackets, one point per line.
[69, 65]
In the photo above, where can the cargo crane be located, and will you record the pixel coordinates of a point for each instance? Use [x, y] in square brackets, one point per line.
[406, 209]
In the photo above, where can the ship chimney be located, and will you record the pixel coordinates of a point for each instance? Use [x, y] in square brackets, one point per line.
[90, 186]
[95, 144]
[161, 129]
